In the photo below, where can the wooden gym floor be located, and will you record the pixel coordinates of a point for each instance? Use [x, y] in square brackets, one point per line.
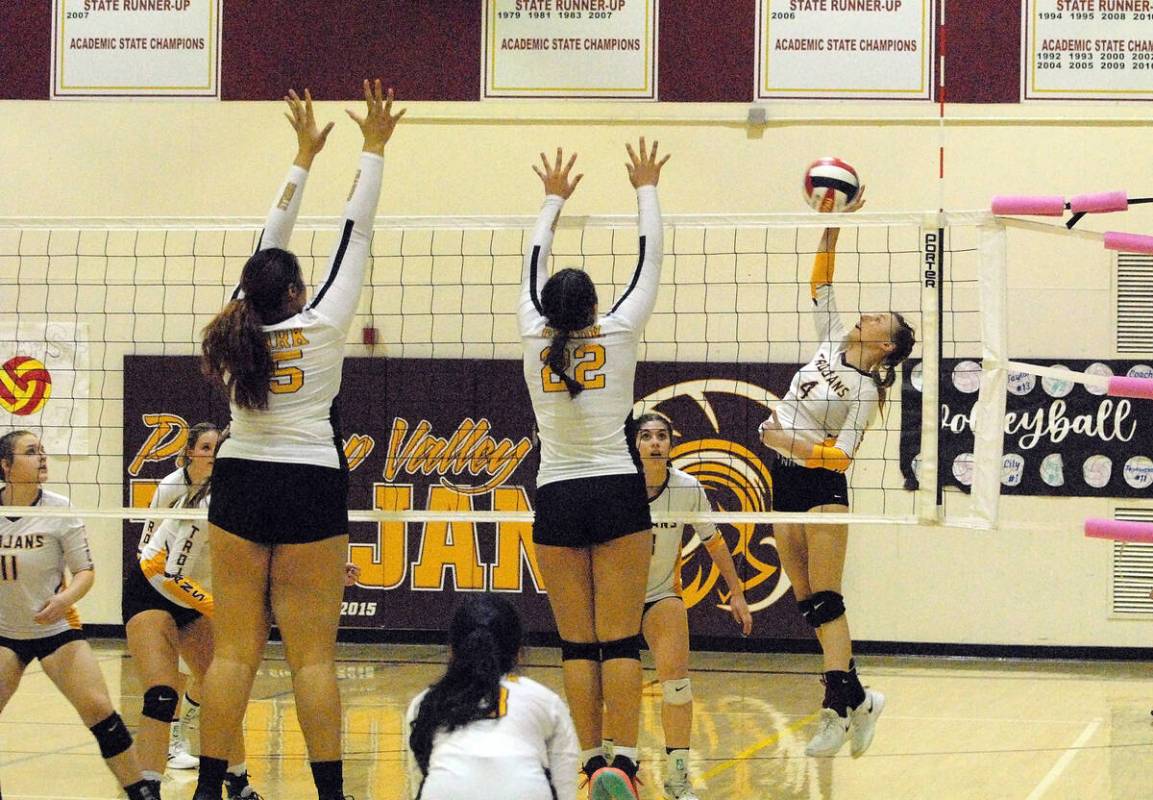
[952, 729]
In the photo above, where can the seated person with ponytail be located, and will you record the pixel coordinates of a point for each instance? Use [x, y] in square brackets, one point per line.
[815, 430]
[482, 732]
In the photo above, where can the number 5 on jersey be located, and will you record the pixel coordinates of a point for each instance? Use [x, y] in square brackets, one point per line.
[590, 359]
[286, 379]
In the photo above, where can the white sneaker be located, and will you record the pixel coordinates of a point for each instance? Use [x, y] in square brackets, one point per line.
[831, 732]
[863, 720]
[179, 752]
[680, 789]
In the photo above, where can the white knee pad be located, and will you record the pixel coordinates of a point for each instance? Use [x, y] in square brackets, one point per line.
[677, 692]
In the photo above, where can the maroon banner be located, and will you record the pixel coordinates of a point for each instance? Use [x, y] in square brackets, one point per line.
[457, 435]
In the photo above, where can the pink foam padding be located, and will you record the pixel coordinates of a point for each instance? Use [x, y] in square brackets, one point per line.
[1128, 242]
[1118, 530]
[1099, 203]
[1121, 386]
[1038, 206]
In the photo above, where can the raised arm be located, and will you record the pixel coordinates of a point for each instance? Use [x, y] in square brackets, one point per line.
[636, 304]
[557, 188]
[829, 324]
[338, 292]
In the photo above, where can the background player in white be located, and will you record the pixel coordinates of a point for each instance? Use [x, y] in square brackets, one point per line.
[592, 526]
[816, 429]
[167, 609]
[482, 732]
[278, 514]
[665, 623]
[37, 618]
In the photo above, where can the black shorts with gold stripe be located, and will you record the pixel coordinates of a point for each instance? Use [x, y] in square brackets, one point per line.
[270, 502]
[585, 511]
[28, 650]
[799, 488]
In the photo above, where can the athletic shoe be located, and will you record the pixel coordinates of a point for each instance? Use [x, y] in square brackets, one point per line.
[239, 788]
[678, 789]
[179, 753]
[831, 731]
[610, 783]
[863, 722]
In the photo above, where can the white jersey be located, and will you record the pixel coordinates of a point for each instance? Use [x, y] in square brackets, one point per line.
[172, 551]
[299, 425]
[584, 436]
[681, 493]
[169, 492]
[828, 399]
[528, 752]
[34, 552]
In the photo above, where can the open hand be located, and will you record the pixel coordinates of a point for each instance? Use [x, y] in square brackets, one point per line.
[644, 169]
[378, 122]
[309, 139]
[556, 177]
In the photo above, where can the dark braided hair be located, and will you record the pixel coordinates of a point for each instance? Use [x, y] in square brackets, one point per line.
[568, 301]
[904, 337]
[235, 348]
[485, 636]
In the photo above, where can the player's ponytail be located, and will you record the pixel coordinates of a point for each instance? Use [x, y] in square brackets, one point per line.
[485, 635]
[235, 348]
[904, 337]
[8, 450]
[568, 301]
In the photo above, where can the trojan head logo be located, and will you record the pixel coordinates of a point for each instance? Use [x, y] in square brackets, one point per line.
[25, 386]
[715, 421]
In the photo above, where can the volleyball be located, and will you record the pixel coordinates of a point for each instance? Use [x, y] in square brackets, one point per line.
[25, 386]
[830, 184]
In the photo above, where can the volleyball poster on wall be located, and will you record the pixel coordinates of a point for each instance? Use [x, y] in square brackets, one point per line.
[1087, 49]
[604, 49]
[136, 48]
[851, 49]
[472, 449]
[1061, 438]
[44, 384]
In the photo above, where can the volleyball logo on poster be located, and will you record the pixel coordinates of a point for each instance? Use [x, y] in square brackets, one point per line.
[44, 383]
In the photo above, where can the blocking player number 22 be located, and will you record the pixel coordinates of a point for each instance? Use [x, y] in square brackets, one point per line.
[589, 358]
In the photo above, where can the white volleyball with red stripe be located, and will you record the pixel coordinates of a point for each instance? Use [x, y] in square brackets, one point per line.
[830, 184]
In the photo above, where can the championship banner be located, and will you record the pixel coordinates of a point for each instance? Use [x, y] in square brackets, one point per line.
[852, 49]
[457, 435]
[603, 49]
[1061, 438]
[136, 48]
[44, 383]
[1087, 49]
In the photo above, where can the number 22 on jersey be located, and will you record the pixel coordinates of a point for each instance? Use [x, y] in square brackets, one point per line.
[589, 358]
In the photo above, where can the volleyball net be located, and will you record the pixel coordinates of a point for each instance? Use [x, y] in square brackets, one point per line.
[102, 322]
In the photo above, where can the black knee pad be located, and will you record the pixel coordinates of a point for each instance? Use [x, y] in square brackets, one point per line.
[580, 651]
[806, 608]
[827, 606]
[160, 703]
[629, 647]
[112, 735]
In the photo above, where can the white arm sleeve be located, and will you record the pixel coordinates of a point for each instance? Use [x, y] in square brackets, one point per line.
[338, 293]
[563, 753]
[830, 326]
[636, 304]
[535, 270]
[77, 554]
[282, 216]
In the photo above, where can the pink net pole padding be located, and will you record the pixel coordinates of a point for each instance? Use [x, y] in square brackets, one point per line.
[1121, 386]
[1099, 203]
[1119, 530]
[1039, 206]
[1128, 242]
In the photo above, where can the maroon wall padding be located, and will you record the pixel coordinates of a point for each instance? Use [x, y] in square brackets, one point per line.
[708, 55]
[25, 49]
[983, 51]
[425, 49]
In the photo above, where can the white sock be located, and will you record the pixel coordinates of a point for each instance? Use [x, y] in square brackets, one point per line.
[238, 769]
[592, 752]
[678, 763]
[191, 711]
[608, 746]
[149, 775]
[630, 753]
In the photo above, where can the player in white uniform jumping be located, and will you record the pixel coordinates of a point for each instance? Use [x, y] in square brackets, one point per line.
[666, 623]
[483, 732]
[37, 617]
[278, 515]
[592, 527]
[816, 429]
[167, 610]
